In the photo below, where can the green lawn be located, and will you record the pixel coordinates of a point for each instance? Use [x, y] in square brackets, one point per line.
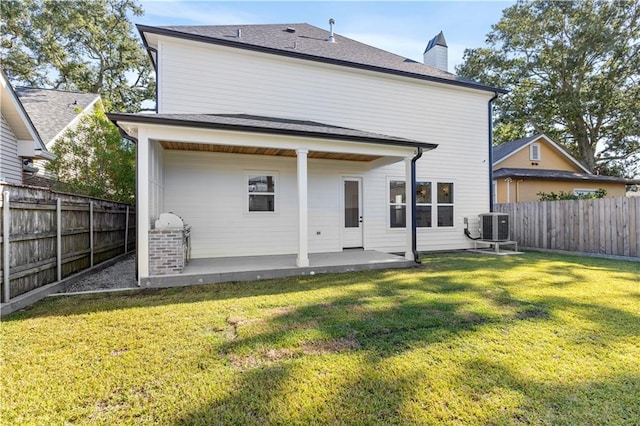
[467, 339]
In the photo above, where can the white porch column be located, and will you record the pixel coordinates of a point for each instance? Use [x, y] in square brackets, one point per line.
[303, 219]
[142, 202]
[408, 254]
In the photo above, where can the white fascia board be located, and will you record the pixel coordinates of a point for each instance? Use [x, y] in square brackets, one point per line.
[264, 140]
[26, 148]
[45, 155]
[17, 108]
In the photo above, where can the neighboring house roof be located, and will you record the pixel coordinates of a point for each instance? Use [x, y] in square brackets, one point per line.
[560, 175]
[273, 125]
[16, 115]
[53, 111]
[436, 41]
[503, 151]
[308, 42]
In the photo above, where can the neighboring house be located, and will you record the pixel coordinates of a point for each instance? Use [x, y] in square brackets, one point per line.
[53, 112]
[20, 141]
[290, 139]
[526, 167]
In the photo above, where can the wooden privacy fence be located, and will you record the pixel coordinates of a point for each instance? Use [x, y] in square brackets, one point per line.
[48, 236]
[608, 226]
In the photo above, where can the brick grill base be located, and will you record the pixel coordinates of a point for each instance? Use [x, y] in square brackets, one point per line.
[166, 251]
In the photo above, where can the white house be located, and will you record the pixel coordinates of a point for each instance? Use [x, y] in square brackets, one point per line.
[20, 141]
[290, 139]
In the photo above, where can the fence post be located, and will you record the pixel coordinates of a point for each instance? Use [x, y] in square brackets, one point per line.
[91, 233]
[6, 225]
[126, 231]
[59, 236]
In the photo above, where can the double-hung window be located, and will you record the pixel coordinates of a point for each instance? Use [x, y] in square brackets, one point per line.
[445, 204]
[262, 192]
[398, 204]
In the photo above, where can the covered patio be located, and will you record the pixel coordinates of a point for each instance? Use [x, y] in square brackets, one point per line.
[251, 268]
[182, 167]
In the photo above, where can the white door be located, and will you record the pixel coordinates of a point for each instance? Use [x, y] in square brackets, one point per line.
[352, 217]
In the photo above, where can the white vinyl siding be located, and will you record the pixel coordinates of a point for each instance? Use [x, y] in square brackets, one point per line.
[10, 163]
[209, 191]
[201, 78]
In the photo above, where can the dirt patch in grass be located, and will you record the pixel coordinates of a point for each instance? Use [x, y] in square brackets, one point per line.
[331, 346]
[532, 313]
[315, 347]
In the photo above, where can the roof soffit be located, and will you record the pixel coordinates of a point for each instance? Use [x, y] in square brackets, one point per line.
[275, 138]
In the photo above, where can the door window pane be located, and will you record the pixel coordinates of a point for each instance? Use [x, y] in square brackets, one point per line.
[351, 204]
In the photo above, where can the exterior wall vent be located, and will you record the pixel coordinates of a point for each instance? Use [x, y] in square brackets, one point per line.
[494, 227]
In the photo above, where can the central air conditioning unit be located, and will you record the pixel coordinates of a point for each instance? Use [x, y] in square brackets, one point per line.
[494, 226]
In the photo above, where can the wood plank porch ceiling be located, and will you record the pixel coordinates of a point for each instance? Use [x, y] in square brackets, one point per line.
[182, 146]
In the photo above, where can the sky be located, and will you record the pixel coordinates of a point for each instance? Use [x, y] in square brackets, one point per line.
[403, 28]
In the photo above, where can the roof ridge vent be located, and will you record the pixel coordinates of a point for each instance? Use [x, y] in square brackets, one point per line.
[331, 38]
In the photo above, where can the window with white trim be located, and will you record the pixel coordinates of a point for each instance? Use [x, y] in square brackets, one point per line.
[398, 204]
[534, 152]
[445, 204]
[262, 192]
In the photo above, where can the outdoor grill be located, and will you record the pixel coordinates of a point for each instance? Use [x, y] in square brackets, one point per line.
[170, 245]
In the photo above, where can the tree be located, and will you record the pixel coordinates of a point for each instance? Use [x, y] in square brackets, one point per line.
[82, 45]
[93, 159]
[573, 71]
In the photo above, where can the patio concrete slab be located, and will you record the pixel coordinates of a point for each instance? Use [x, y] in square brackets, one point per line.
[251, 268]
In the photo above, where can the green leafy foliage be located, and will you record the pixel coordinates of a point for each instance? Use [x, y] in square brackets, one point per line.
[572, 69]
[552, 196]
[93, 159]
[82, 45]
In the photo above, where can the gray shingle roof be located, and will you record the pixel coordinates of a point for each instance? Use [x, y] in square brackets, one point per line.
[260, 124]
[310, 42]
[502, 150]
[52, 110]
[559, 175]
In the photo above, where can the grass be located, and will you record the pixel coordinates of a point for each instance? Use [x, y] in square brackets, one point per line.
[468, 339]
